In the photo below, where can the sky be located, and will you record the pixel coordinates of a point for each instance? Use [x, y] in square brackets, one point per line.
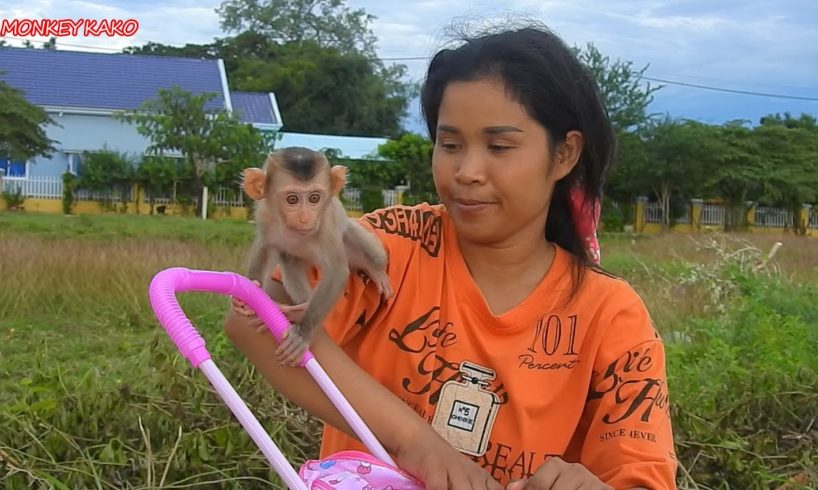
[764, 46]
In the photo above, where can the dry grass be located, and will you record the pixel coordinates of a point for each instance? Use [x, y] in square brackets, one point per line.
[797, 258]
[46, 277]
[654, 266]
[75, 324]
[94, 394]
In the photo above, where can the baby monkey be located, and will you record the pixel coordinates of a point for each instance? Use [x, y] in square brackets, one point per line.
[301, 223]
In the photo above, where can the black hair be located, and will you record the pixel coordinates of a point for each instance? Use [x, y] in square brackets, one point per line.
[544, 75]
[303, 163]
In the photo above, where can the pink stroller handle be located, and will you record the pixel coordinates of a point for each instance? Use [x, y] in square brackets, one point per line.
[167, 283]
[162, 292]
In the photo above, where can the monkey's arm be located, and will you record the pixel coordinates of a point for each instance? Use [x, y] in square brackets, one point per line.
[334, 271]
[367, 253]
[262, 261]
[259, 260]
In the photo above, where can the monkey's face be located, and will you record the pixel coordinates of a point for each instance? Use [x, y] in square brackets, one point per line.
[492, 164]
[302, 204]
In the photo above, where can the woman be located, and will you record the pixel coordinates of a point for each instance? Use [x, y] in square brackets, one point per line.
[506, 358]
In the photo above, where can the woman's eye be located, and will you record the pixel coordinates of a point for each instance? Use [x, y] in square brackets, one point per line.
[499, 147]
[449, 146]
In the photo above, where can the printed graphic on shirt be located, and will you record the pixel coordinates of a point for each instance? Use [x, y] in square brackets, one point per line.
[416, 224]
[553, 346]
[631, 389]
[466, 411]
[427, 336]
[506, 463]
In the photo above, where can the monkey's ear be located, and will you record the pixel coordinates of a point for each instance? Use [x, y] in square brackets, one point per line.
[338, 177]
[254, 183]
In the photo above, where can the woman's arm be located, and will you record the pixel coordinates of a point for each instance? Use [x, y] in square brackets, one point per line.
[416, 446]
[298, 386]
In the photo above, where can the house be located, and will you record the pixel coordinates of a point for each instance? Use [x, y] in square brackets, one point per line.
[82, 91]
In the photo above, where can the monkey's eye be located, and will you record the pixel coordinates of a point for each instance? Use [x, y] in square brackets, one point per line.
[292, 199]
[315, 197]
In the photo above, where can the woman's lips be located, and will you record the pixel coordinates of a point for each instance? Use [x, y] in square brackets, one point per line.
[471, 206]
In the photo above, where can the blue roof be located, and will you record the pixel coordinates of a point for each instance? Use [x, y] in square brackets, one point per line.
[254, 107]
[80, 79]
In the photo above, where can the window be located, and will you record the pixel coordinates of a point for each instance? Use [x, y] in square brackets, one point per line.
[12, 169]
[74, 163]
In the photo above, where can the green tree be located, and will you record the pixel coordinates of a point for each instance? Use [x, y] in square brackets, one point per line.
[328, 23]
[323, 90]
[805, 121]
[412, 156]
[627, 96]
[625, 183]
[22, 132]
[319, 89]
[624, 90]
[177, 121]
[156, 175]
[737, 172]
[676, 153]
[789, 148]
[106, 170]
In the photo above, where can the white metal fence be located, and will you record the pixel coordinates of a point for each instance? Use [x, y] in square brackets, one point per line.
[773, 217]
[44, 187]
[713, 214]
[352, 198]
[654, 214]
[34, 187]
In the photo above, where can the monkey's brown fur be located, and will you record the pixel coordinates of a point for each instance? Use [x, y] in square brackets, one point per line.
[300, 223]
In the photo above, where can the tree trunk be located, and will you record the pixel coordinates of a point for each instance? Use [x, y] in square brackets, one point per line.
[663, 193]
[736, 215]
[197, 184]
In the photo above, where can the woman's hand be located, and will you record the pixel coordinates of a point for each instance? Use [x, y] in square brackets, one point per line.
[556, 474]
[292, 312]
[432, 460]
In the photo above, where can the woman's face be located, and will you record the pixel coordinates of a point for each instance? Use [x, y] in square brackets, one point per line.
[492, 164]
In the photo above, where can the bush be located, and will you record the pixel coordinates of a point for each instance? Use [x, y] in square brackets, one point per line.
[69, 184]
[744, 383]
[14, 200]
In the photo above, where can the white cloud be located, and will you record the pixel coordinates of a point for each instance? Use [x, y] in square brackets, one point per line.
[747, 44]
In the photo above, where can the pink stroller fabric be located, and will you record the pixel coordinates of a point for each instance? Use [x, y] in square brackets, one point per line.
[355, 470]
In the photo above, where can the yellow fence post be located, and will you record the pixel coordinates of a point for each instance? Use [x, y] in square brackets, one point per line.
[135, 197]
[401, 191]
[639, 214]
[803, 219]
[696, 206]
[750, 216]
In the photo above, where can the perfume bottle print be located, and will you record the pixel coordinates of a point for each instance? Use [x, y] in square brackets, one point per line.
[466, 411]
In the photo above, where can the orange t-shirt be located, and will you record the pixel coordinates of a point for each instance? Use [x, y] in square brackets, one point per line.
[582, 378]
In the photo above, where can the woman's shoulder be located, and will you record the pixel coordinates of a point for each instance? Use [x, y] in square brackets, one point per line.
[407, 227]
[623, 318]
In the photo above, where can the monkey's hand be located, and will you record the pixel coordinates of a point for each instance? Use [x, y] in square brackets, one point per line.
[292, 346]
[381, 280]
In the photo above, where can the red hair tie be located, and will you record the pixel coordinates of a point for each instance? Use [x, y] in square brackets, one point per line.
[585, 220]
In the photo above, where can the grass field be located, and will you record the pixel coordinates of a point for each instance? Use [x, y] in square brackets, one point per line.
[92, 394]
